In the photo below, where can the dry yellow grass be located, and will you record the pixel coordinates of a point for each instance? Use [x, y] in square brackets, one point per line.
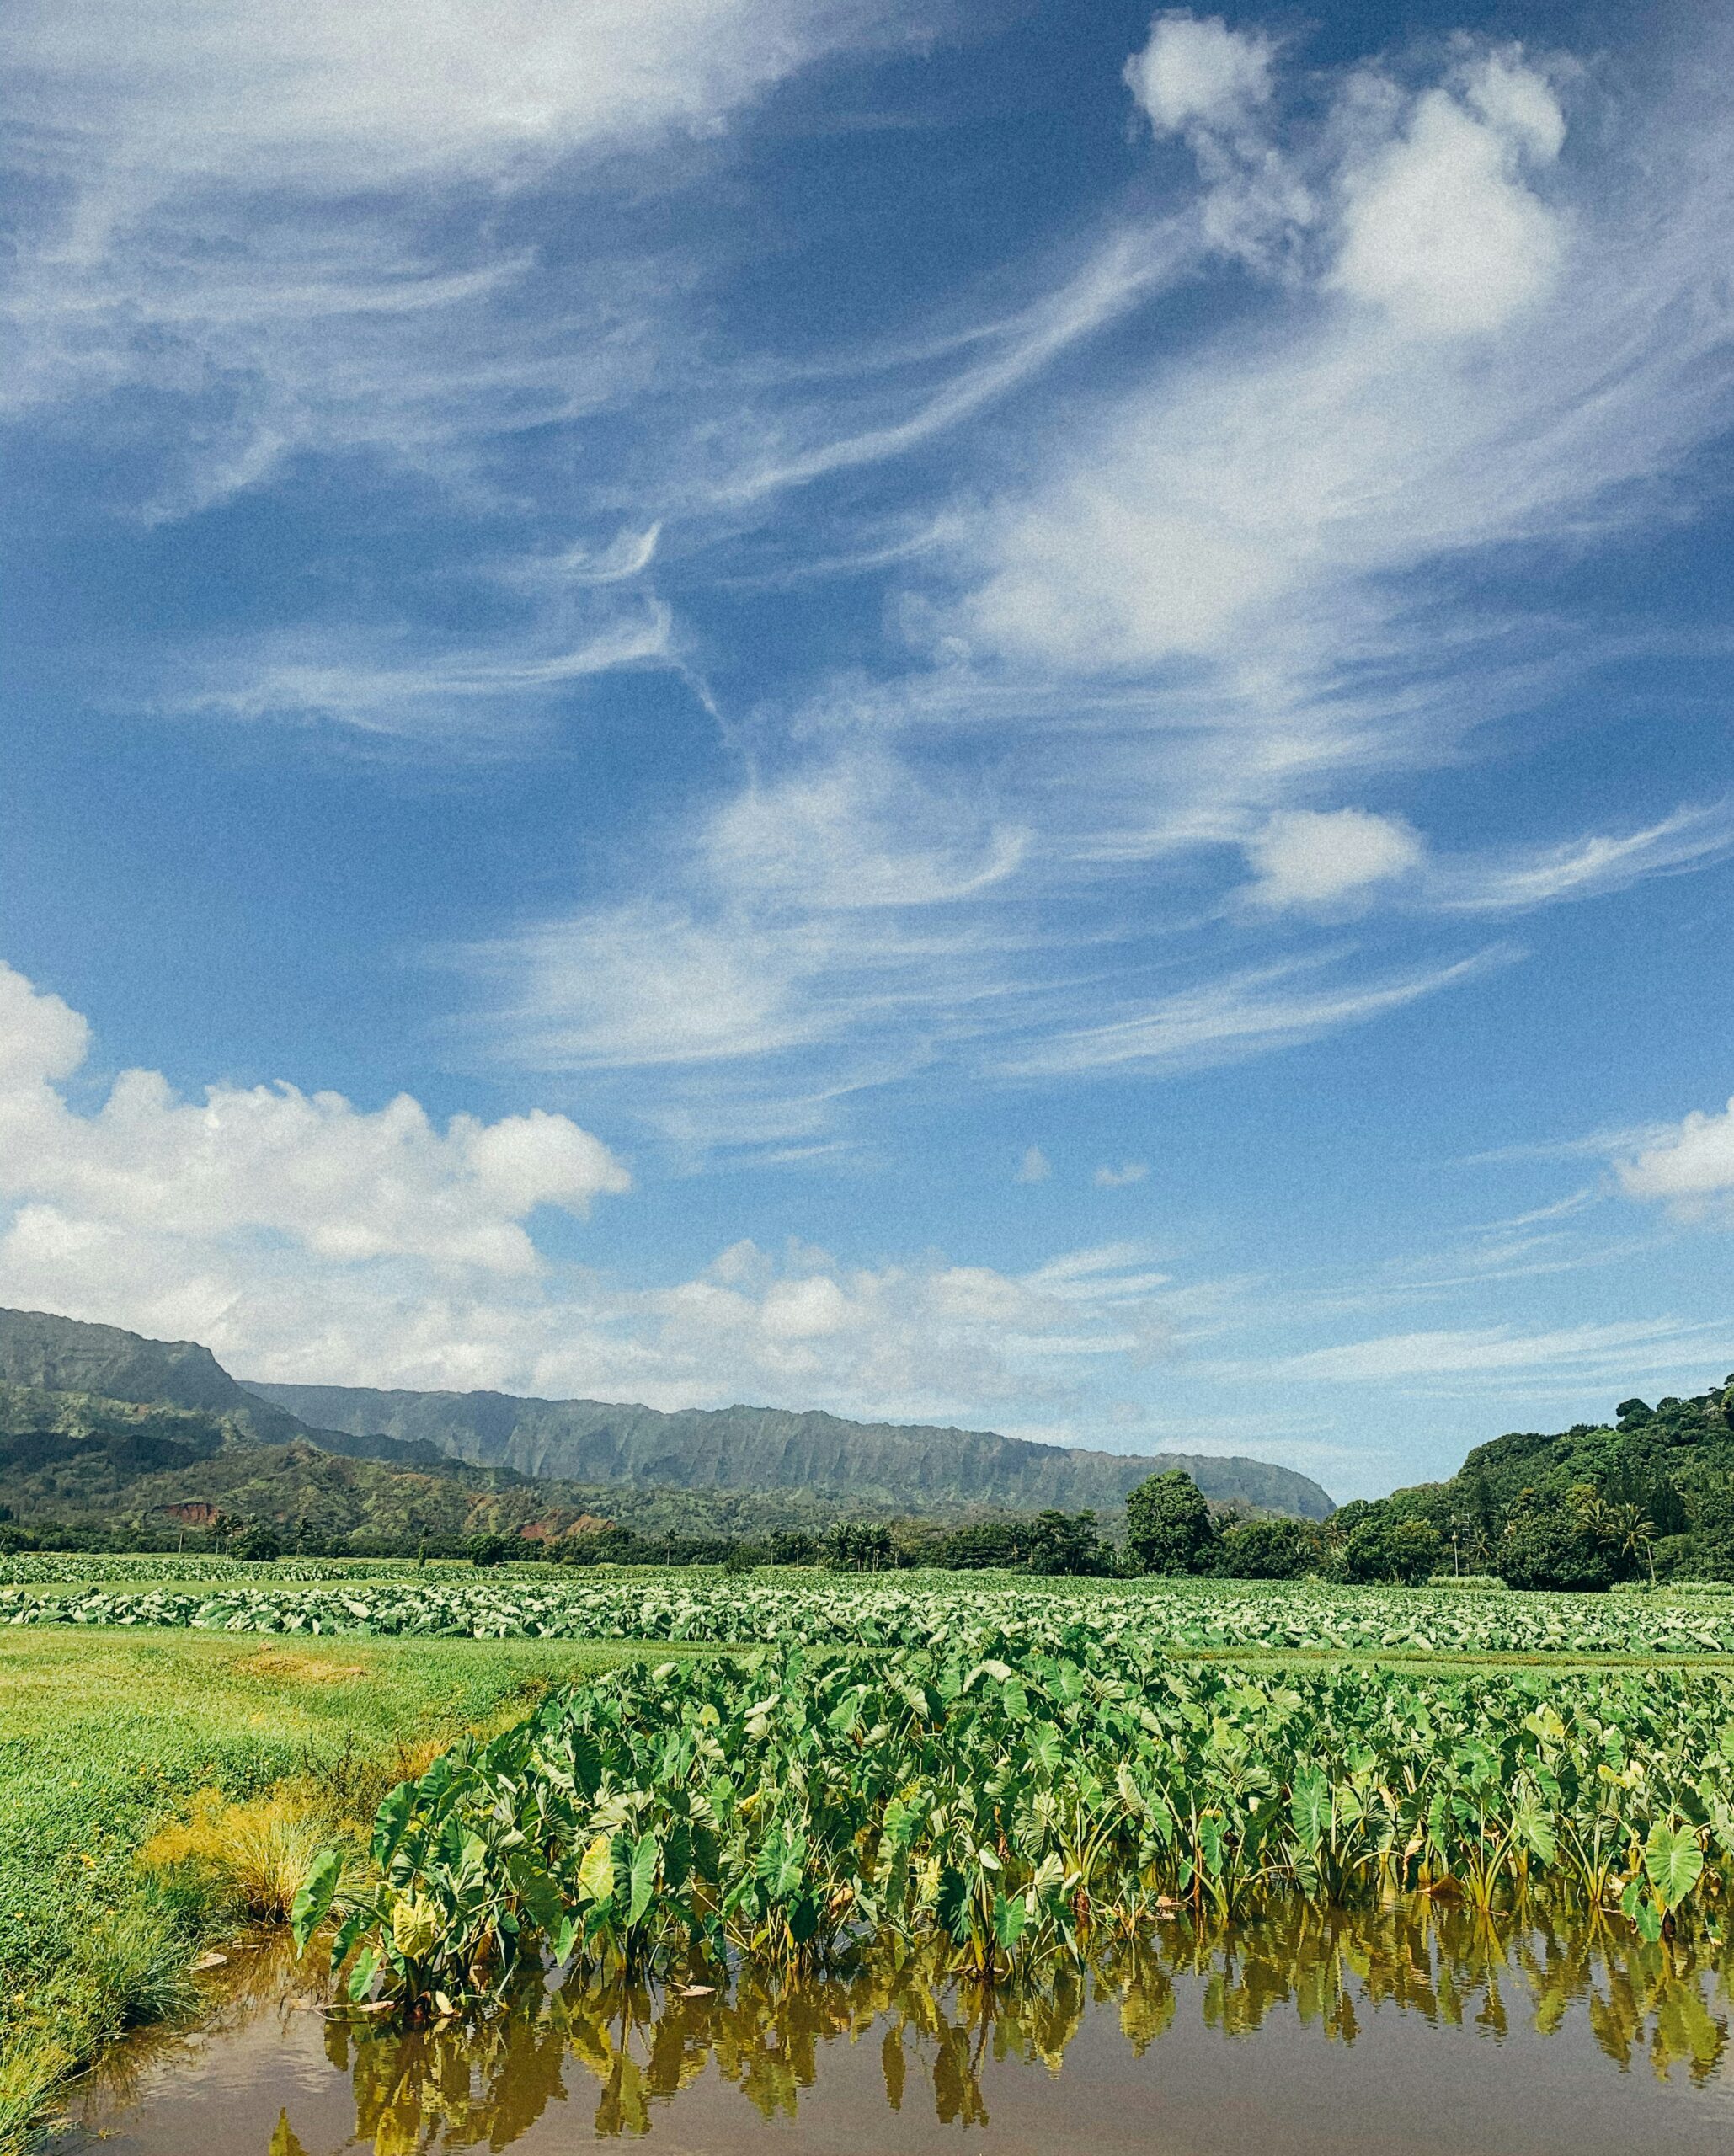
[261, 1848]
[291, 1668]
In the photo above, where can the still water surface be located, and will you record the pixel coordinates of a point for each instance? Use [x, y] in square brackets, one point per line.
[1404, 2032]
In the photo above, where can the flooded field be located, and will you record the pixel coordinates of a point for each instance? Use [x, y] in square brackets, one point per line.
[1417, 2028]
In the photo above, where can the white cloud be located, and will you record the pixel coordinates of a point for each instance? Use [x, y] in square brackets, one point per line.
[1441, 230]
[1112, 1178]
[381, 686]
[1125, 271]
[854, 832]
[1035, 1166]
[1585, 867]
[1246, 1014]
[342, 1182]
[1309, 858]
[1495, 1351]
[1255, 505]
[823, 907]
[349, 93]
[1197, 72]
[1690, 1168]
[291, 219]
[1211, 595]
[302, 1237]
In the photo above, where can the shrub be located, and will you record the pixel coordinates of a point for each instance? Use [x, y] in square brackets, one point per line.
[1395, 1552]
[1553, 1545]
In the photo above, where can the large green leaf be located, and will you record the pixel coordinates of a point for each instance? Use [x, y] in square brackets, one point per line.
[312, 1903]
[1673, 1862]
[595, 1874]
[642, 1874]
[1010, 1917]
[1310, 1807]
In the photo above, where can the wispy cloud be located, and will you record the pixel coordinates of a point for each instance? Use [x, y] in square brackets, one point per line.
[388, 686]
[299, 224]
[1126, 271]
[1247, 1014]
[1589, 866]
[1582, 1351]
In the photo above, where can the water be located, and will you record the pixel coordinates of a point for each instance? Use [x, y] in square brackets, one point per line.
[1404, 2032]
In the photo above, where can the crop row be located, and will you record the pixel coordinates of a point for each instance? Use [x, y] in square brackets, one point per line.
[1186, 1616]
[1016, 1796]
[34, 1568]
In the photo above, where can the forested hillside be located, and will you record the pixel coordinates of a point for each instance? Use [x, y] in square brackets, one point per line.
[792, 1466]
[907, 1467]
[76, 1467]
[1596, 1503]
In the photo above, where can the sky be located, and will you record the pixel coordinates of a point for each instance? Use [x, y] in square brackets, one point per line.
[967, 710]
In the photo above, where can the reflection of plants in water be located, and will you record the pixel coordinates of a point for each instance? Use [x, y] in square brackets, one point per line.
[487, 2082]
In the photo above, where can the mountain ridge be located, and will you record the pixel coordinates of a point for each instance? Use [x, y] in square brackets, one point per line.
[602, 1445]
[919, 1465]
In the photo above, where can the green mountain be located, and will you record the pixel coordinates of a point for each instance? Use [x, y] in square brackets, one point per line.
[96, 1422]
[909, 1467]
[92, 1465]
[49, 1354]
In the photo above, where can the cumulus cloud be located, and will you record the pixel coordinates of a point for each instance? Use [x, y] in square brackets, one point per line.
[1441, 229]
[1312, 858]
[303, 1237]
[1690, 1168]
[342, 1182]
[1196, 71]
[1035, 1166]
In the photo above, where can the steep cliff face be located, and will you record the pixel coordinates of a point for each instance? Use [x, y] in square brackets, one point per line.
[910, 1466]
[887, 1466]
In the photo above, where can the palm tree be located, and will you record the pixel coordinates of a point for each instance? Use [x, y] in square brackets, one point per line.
[1634, 1536]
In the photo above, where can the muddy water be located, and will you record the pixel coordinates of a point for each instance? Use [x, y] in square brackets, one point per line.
[1403, 2032]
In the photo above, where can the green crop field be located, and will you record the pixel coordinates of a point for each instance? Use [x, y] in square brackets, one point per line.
[889, 1610]
[106, 1736]
[1016, 1778]
[1003, 1770]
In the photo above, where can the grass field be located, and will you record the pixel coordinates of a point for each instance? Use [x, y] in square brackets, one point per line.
[107, 1736]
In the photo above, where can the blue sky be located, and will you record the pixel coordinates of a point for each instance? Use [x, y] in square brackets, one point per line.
[990, 712]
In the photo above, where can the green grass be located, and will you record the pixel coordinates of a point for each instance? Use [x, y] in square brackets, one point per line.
[106, 1736]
